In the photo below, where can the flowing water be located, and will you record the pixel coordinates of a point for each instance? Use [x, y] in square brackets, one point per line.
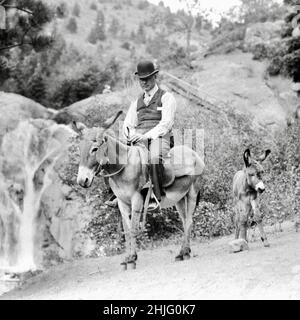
[27, 158]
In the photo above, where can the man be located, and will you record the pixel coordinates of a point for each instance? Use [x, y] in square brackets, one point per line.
[150, 119]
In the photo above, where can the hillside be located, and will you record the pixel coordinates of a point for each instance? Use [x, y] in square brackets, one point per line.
[212, 273]
[130, 15]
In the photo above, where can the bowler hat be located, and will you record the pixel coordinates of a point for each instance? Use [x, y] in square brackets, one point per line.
[145, 69]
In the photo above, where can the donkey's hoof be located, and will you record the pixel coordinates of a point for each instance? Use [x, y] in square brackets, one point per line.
[266, 244]
[179, 257]
[238, 245]
[131, 265]
[124, 266]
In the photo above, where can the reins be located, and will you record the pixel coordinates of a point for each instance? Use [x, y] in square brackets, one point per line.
[111, 174]
[98, 171]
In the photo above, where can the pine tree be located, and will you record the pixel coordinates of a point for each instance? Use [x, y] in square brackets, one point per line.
[100, 26]
[114, 26]
[26, 32]
[72, 25]
[76, 10]
[98, 31]
[141, 34]
[37, 88]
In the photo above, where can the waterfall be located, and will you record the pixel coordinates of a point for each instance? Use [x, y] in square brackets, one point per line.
[28, 156]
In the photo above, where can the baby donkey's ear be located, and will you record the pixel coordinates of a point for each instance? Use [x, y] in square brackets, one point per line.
[247, 158]
[265, 155]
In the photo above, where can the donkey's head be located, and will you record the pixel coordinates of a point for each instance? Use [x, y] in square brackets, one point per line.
[254, 170]
[92, 143]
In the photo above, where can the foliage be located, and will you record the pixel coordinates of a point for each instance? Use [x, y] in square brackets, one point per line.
[126, 45]
[143, 4]
[114, 26]
[211, 221]
[98, 30]
[228, 37]
[141, 34]
[72, 25]
[93, 6]
[24, 31]
[62, 10]
[286, 61]
[76, 10]
[91, 82]
[253, 11]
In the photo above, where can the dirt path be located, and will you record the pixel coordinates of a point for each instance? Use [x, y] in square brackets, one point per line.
[213, 273]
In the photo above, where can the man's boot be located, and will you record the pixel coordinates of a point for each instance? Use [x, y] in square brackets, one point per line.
[112, 202]
[156, 172]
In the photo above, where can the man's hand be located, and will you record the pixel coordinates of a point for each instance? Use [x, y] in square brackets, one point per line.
[137, 137]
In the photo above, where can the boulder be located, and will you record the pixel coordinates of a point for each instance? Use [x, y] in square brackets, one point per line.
[238, 245]
[15, 108]
[94, 110]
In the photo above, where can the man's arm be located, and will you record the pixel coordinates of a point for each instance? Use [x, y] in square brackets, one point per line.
[167, 117]
[130, 121]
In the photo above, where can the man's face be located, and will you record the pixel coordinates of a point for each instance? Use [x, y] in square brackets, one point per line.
[148, 83]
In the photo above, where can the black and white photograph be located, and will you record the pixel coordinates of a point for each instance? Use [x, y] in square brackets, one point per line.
[149, 151]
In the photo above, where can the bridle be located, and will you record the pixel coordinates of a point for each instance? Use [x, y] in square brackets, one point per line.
[99, 167]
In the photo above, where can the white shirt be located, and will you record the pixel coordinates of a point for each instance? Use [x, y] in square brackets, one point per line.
[167, 116]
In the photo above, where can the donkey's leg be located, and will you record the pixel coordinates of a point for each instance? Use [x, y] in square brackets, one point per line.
[258, 218]
[244, 211]
[136, 210]
[125, 212]
[237, 220]
[186, 208]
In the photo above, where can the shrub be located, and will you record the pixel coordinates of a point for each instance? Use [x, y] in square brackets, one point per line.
[76, 10]
[72, 25]
[275, 66]
[93, 6]
[143, 5]
[62, 10]
[126, 45]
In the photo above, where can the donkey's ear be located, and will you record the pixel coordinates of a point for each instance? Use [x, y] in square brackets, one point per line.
[265, 156]
[78, 127]
[110, 121]
[247, 158]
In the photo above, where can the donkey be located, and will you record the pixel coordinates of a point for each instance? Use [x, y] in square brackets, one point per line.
[126, 168]
[247, 184]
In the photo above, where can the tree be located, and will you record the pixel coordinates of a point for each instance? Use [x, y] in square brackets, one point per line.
[98, 30]
[291, 61]
[76, 10]
[100, 26]
[141, 34]
[252, 11]
[62, 10]
[114, 26]
[72, 25]
[187, 23]
[24, 29]
[93, 6]
[286, 59]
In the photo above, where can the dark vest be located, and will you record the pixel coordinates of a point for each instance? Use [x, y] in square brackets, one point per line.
[149, 116]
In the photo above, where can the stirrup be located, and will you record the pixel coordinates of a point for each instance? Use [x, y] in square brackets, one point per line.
[153, 205]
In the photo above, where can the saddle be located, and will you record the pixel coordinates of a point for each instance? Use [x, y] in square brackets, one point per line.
[180, 161]
[168, 177]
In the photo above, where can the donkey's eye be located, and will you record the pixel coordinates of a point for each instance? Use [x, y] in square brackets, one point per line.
[94, 150]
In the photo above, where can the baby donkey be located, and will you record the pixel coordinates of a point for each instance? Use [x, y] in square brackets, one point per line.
[247, 184]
